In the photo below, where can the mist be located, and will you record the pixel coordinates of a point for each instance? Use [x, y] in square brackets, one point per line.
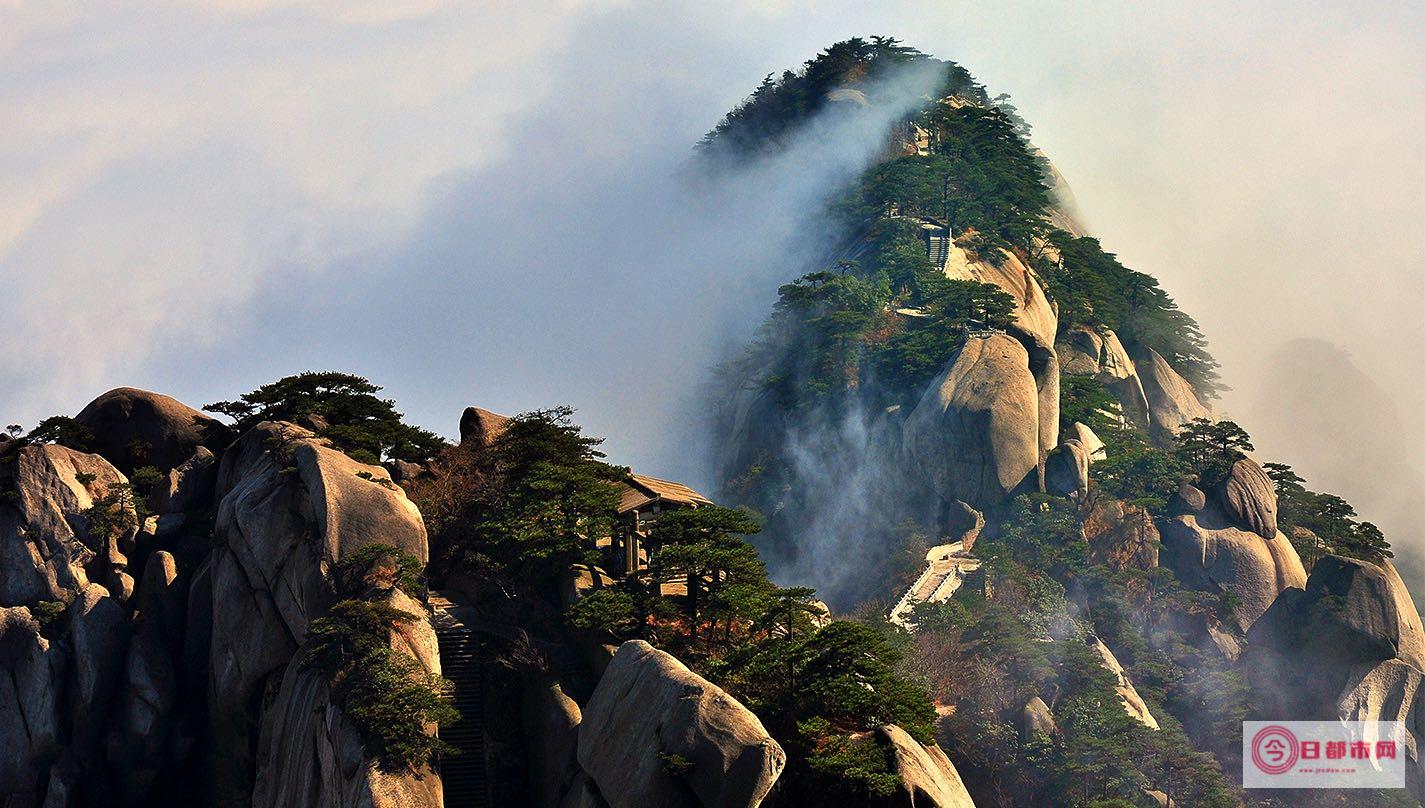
[495, 205]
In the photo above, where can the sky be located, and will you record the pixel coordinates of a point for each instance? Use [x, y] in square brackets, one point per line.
[485, 203]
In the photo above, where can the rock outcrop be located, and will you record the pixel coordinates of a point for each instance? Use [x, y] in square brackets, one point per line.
[1035, 324]
[551, 724]
[648, 709]
[135, 428]
[975, 432]
[291, 507]
[1350, 647]
[1122, 536]
[309, 752]
[32, 675]
[1036, 719]
[1066, 471]
[928, 778]
[47, 547]
[1099, 353]
[480, 427]
[1132, 702]
[1086, 437]
[1034, 315]
[1206, 551]
[1249, 499]
[1172, 401]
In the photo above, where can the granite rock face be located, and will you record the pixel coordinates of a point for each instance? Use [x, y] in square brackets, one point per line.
[928, 778]
[1206, 551]
[975, 433]
[135, 428]
[48, 547]
[1249, 498]
[291, 508]
[1172, 401]
[649, 706]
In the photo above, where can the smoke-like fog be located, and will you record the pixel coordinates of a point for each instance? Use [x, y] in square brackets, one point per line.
[487, 203]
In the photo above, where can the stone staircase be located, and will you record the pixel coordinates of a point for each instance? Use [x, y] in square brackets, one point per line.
[938, 250]
[466, 776]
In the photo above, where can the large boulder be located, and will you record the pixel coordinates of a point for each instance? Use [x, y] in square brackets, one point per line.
[1036, 719]
[1091, 442]
[551, 726]
[99, 632]
[187, 486]
[1133, 703]
[975, 433]
[1036, 322]
[149, 720]
[309, 752]
[1172, 400]
[1079, 348]
[1206, 551]
[649, 708]
[135, 428]
[480, 427]
[1098, 353]
[1066, 471]
[47, 544]
[291, 507]
[1249, 498]
[927, 777]
[1349, 647]
[1035, 319]
[31, 694]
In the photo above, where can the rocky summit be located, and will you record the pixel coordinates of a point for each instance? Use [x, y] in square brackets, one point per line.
[1021, 556]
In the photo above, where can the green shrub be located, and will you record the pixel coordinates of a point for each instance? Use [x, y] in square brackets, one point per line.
[378, 564]
[389, 698]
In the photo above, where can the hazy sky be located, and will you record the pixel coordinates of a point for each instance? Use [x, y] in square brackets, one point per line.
[473, 203]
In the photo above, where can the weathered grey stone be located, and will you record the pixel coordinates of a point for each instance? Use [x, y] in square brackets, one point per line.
[1036, 718]
[1035, 321]
[1121, 536]
[45, 540]
[291, 507]
[480, 427]
[647, 705]
[1206, 551]
[1114, 362]
[1066, 471]
[974, 434]
[309, 753]
[135, 428]
[551, 729]
[928, 778]
[187, 486]
[99, 637]
[1188, 499]
[1172, 401]
[1249, 499]
[1079, 349]
[1086, 437]
[1132, 702]
[32, 675]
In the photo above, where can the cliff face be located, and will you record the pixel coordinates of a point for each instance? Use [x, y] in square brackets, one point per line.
[126, 691]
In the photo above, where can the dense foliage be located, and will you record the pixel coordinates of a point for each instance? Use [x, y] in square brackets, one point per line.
[388, 696]
[1092, 288]
[524, 508]
[338, 406]
[775, 110]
